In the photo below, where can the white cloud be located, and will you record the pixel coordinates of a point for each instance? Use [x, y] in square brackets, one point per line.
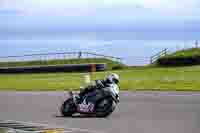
[63, 7]
[162, 7]
[175, 7]
[84, 7]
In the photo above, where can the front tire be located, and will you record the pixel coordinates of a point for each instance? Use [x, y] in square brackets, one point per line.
[68, 108]
[105, 107]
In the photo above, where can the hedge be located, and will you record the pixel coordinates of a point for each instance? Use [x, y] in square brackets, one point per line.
[179, 61]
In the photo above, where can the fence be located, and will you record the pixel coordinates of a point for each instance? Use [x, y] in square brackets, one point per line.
[158, 55]
[170, 50]
[52, 56]
[129, 60]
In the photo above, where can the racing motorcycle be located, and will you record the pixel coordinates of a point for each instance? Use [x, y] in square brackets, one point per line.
[98, 103]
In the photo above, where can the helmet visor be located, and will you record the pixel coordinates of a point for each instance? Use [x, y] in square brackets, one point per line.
[115, 81]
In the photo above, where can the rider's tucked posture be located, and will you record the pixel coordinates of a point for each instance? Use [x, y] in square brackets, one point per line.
[99, 84]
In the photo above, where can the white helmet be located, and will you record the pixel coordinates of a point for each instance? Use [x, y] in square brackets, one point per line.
[113, 78]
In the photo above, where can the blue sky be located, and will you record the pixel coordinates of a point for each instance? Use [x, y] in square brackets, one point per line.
[33, 26]
[45, 16]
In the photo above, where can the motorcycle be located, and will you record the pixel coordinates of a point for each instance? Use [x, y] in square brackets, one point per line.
[98, 103]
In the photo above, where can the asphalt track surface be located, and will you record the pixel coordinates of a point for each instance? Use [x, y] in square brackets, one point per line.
[141, 112]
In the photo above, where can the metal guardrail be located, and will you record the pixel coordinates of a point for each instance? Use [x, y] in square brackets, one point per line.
[166, 51]
[158, 55]
[64, 55]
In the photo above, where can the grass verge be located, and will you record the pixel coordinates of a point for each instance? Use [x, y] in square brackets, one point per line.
[140, 79]
[3, 130]
[185, 53]
[187, 57]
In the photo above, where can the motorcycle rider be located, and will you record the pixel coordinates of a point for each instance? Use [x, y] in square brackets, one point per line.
[113, 78]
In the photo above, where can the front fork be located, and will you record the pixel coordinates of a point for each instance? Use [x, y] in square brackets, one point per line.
[117, 97]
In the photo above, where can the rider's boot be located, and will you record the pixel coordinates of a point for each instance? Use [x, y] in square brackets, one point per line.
[78, 99]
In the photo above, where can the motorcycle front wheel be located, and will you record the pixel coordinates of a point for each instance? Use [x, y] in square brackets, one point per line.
[68, 108]
[105, 107]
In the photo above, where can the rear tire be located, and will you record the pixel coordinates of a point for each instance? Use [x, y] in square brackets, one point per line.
[68, 108]
[105, 107]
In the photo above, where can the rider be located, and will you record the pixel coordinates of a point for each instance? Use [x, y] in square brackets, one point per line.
[99, 84]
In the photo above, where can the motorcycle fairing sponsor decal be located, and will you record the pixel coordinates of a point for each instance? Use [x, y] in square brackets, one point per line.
[86, 107]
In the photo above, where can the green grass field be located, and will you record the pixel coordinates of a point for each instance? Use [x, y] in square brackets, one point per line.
[3, 130]
[184, 53]
[141, 78]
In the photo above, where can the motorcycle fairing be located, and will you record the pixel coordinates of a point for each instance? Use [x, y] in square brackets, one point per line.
[88, 104]
[91, 98]
[85, 107]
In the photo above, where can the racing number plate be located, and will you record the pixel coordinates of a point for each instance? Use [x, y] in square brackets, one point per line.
[87, 108]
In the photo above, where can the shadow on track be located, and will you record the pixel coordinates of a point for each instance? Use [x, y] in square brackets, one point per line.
[80, 117]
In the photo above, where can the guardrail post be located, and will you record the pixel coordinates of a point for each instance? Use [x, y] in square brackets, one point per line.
[79, 55]
[165, 52]
[196, 44]
[151, 60]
